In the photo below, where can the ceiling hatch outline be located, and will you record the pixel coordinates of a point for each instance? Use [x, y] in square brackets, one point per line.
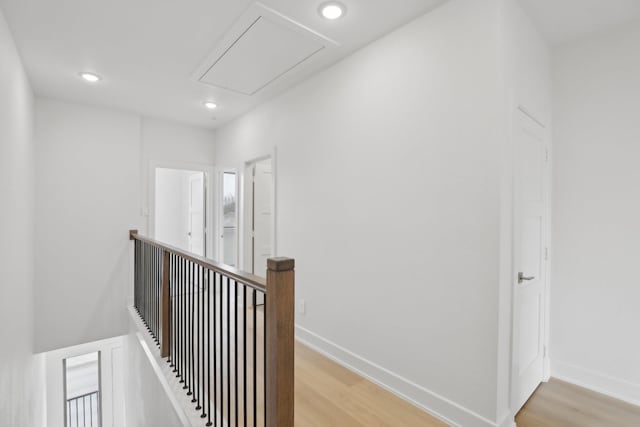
[248, 40]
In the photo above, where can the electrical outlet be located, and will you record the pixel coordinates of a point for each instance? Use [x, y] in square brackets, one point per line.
[301, 306]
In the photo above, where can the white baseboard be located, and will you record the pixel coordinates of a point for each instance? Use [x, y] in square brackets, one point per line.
[436, 405]
[508, 422]
[596, 381]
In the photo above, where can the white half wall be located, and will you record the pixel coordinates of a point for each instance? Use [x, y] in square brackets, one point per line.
[595, 289]
[152, 399]
[21, 373]
[92, 169]
[388, 195]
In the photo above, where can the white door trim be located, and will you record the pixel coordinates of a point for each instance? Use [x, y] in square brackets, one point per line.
[245, 206]
[210, 189]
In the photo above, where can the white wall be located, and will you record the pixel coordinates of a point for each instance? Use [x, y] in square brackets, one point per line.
[388, 195]
[21, 373]
[596, 290]
[87, 200]
[92, 171]
[527, 74]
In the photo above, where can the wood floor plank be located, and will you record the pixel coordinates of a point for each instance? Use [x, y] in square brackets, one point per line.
[328, 394]
[560, 404]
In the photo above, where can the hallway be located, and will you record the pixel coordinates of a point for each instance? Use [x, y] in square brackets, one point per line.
[329, 395]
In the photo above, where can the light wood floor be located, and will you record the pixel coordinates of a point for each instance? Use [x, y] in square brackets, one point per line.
[559, 404]
[329, 395]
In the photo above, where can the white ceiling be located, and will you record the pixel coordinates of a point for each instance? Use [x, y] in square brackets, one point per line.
[147, 51]
[563, 21]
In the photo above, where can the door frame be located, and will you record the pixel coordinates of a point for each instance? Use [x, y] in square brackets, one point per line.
[516, 113]
[210, 192]
[202, 175]
[220, 214]
[246, 209]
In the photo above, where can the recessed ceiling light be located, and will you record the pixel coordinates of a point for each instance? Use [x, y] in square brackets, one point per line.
[90, 77]
[210, 105]
[332, 10]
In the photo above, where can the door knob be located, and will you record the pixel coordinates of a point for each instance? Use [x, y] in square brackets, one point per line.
[523, 278]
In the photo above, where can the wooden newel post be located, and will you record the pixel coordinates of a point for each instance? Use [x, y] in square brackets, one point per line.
[165, 303]
[279, 316]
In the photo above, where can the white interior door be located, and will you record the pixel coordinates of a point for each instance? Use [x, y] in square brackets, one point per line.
[262, 216]
[197, 214]
[530, 223]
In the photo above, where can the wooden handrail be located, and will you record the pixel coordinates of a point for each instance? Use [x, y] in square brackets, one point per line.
[249, 279]
[279, 318]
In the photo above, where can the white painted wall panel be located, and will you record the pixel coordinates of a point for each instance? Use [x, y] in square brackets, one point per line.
[596, 289]
[21, 373]
[388, 188]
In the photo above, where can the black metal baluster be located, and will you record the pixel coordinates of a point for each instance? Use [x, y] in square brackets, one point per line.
[208, 348]
[244, 352]
[135, 274]
[221, 326]
[146, 287]
[215, 348]
[150, 280]
[201, 347]
[228, 352]
[197, 371]
[176, 308]
[235, 334]
[158, 283]
[183, 328]
[144, 283]
[153, 293]
[189, 349]
[172, 294]
[264, 357]
[255, 371]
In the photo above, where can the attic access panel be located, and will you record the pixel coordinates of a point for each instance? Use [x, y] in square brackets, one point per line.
[262, 53]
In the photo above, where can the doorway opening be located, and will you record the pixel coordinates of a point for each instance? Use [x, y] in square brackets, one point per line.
[181, 209]
[259, 215]
[229, 215]
[82, 391]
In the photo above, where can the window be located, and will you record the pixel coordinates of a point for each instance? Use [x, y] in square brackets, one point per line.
[82, 390]
[229, 219]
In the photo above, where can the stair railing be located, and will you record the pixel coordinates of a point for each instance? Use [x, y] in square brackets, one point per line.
[227, 334]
